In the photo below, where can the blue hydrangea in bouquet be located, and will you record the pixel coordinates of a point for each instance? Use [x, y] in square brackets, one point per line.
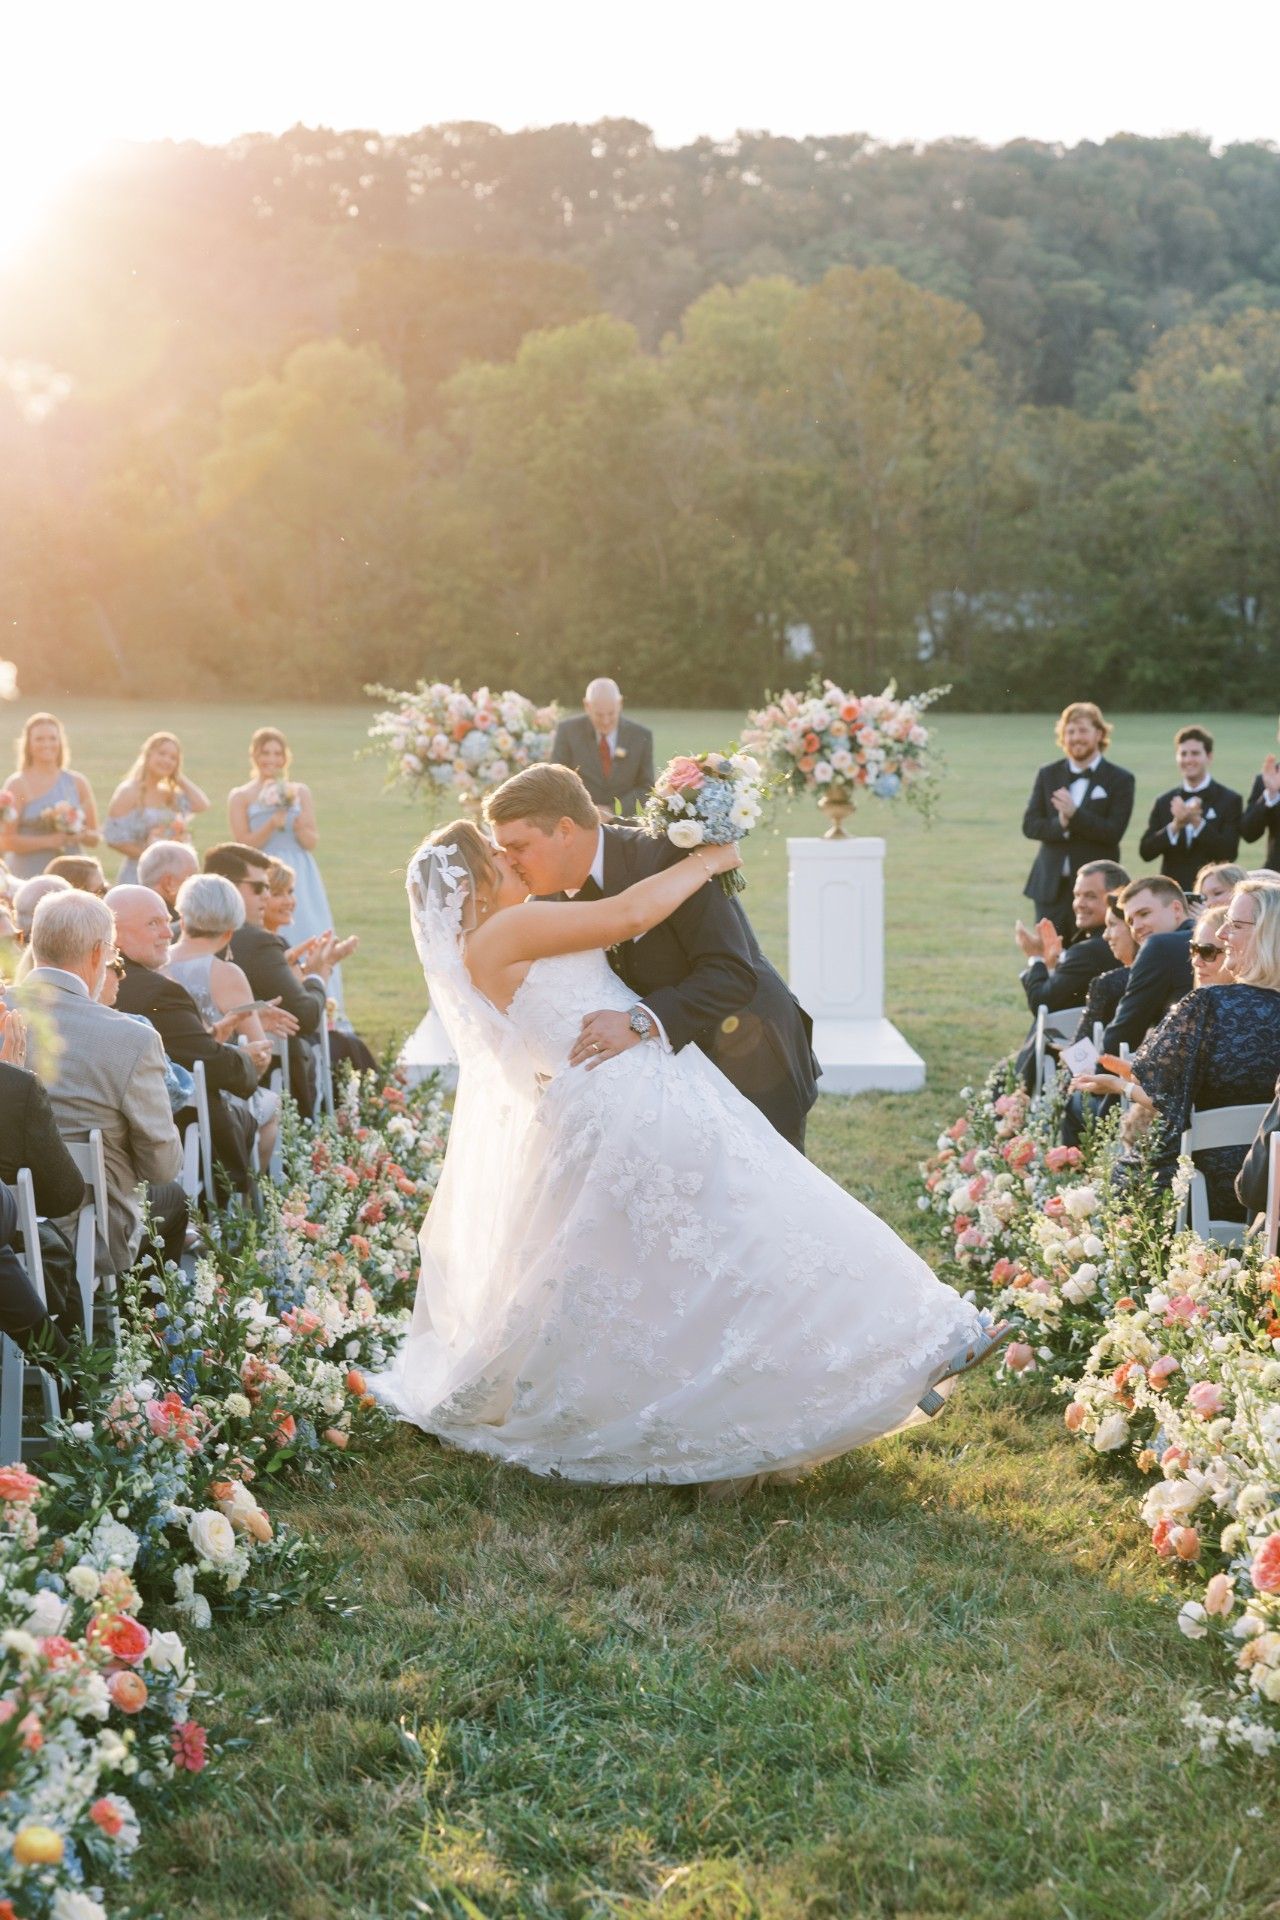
[706, 799]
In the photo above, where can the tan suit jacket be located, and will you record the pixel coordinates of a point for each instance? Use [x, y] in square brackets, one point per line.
[104, 1070]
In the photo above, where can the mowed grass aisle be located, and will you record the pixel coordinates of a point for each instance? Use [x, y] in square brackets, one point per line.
[938, 1678]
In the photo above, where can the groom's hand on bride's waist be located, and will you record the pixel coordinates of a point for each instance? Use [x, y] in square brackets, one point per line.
[606, 1034]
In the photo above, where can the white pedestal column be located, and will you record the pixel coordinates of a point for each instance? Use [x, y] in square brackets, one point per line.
[835, 949]
[427, 1051]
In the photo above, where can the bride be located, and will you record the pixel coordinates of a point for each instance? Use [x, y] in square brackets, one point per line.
[627, 1275]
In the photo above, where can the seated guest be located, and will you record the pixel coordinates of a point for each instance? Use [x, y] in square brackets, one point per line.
[1078, 811]
[1218, 1047]
[210, 910]
[81, 871]
[23, 1314]
[1156, 910]
[29, 1138]
[142, 935]
[1262, 812]
[1218, 881]
[1195, 822]
[102, 1070]
[1106, 990]
[25, 902]
[278, 909]
[266, 964]
[1210, 961]
[613, 756]
[1058, 976]
[163, 867]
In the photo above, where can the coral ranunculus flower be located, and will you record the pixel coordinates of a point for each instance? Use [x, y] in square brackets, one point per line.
[128, 1691]
[19, 1488]
[106, 1814]
[1265, 1571]
[124, 1637]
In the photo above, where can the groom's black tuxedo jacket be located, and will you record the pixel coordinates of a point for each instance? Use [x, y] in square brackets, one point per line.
[702, 973]
[1094, 831]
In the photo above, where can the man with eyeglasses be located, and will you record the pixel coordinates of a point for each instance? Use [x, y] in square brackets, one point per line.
[265, 961]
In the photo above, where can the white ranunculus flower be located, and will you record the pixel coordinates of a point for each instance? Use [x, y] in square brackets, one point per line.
[47, 1613]
[18, 1641]
[1082, 1283]
[84, 1582]
[1170, 1500]
[1093, 1246]
[1193, 1620]
[1112, 1434]
[1080, 1202]
[167, 1654]
[213, 1537]
[685, 834]
[70, 1904]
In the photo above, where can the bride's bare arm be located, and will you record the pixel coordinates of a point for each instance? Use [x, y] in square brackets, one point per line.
[543, 927]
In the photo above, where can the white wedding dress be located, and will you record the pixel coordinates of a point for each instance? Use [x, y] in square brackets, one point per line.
[643, 1281]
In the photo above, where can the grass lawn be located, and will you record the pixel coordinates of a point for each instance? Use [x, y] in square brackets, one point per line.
[939, 1678]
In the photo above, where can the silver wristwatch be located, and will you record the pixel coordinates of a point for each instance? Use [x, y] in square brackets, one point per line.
[641, 1021]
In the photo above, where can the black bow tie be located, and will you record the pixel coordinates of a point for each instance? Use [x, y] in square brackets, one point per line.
[1194, 796]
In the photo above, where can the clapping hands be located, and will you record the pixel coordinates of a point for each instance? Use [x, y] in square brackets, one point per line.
[13, 1037]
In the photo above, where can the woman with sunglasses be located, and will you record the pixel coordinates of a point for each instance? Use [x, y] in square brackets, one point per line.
[1218, 1047]
[1210, 963]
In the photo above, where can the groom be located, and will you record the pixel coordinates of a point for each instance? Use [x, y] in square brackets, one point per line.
[701, 975]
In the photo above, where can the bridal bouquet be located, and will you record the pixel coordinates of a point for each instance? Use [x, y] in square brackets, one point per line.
[706, 799]
[441, 740]
[839, 745]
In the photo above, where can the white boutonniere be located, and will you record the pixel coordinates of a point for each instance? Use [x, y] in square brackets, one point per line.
[619, 753]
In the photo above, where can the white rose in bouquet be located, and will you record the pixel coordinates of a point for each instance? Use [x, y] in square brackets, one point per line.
[213, 1537]
[685, 834]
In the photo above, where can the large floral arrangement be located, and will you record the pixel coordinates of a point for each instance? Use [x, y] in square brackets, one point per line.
[156, 1496]
[841, 745]
[1166, 1350]
[706, 799]
[441, 741]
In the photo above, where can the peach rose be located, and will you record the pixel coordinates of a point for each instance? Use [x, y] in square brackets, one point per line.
[1160, 1369]
[1265, 1571]
[128, 1691]
[1074, 1416]
[1018, 1356]
[1220, 1594]
[1207, 1398]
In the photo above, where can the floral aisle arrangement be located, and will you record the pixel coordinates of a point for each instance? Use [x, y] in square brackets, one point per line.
[1166, 1350]
[706, 799]
[159, 1497]
[442, 742]
[840, 746]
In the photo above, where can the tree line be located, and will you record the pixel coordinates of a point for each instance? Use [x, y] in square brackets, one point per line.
[300, 413]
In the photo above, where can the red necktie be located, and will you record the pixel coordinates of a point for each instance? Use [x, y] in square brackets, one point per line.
[606, 757]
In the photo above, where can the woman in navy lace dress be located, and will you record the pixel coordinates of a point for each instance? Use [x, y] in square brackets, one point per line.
[1220, 1046]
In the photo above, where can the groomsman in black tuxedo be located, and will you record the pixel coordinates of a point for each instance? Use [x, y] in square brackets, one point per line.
[1197, 823]
[1262, 814]
[1078, 811]
[612, 756]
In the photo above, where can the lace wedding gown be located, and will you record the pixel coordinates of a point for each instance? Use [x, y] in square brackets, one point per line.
[667, 1290]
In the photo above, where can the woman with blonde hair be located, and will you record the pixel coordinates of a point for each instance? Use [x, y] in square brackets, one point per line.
[154, 801]
[46, 808]
[1218, 881]
[1078, 811]
[1218, 1047]
[277, 814]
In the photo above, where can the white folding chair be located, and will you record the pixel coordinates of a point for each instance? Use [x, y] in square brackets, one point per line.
[205, 1125]
[92, 1234]
[1215, 1127]
[1273, 1196]
[16, 1371]
[326, 1067]
[1057, 1026]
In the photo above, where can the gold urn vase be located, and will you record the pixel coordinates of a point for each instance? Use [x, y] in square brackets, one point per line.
[838, 807]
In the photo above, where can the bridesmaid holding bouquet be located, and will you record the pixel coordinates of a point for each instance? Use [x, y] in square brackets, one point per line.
[45, 809]
[154, 801]
[277, 814]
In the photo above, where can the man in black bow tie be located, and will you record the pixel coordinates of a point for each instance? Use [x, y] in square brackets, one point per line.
[1197, 823]
[1078, 811]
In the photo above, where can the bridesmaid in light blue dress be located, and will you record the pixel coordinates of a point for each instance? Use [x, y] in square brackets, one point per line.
[43, 781]
[277, 814]
[154, 801]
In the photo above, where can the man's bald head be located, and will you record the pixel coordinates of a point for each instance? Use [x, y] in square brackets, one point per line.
[602, 704]
[142, 925]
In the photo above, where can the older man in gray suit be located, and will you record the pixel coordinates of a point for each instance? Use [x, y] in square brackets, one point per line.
[103, 1070]
[612, 757]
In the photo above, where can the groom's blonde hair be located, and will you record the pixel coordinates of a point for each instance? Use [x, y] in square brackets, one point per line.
[543, 795]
